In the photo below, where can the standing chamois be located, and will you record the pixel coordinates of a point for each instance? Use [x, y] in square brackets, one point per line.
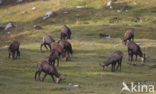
[54, 55]
[134, 49]
[67, 47]
[47, 40]
[44, 66]
[116, 57]
[14, 47]
[59, 49]
[128, 36]
[65, 33]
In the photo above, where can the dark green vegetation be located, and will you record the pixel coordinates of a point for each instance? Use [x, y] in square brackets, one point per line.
[17, 76]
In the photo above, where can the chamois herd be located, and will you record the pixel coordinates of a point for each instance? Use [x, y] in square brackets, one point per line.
[63, 49]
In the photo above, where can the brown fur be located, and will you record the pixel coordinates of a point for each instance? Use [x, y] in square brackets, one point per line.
[54, 55]
[134, 49]
[128, 36]
[66, 46]
[13, 48]
[58, 48]
[44, 66]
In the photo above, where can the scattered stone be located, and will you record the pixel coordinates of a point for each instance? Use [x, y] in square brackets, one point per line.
[9, 32]
[1, 2]
[101, 35]
[65, 12]
[79, 6]
[109, 4]
[118, 11]
[108, 37]
[126, 10]
[70, 84]
[19, 1]
[47, 15]
[33, 8]
[24, 12]
[134, 3]
[9, 25]
[139, 44]
[76, 85]
[37, 27]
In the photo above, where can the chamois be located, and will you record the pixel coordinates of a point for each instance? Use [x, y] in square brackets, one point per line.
[58, 48]
[54, 55]
[14, 47]
[47, 40]
[65, 33]
[116, 57]
[128, 36]
[134, 49]
[44, 66]
[67, 47]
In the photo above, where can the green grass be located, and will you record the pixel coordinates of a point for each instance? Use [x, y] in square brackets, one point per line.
[17, 76]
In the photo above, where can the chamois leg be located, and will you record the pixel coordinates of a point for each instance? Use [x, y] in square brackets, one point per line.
[44, 77]
[118, 66]
[13, 55]
[136, 57]
[9, 55]
[39, 73]
[114, 67]
[45, 45]
[53, 78]
[41, 47]
[36, 74]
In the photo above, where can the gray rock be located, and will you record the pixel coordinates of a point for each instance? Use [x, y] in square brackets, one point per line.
[9, 25]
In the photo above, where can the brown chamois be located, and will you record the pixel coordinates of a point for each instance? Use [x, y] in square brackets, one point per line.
[116, 57]
[44, 66]
[54, 55]
[59, 49]
[128, 36]
[47, 40]
[65, 33]
[67, 47]
[14, 47]
[134, 49]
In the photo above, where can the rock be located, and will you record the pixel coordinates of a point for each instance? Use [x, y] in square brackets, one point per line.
[118, 10]
[2, 27]
[108, 37]
[19, 1]
[65, 12]
[79, 6]
[70, 84]
[47, 15]
[109, 4]
[1, 2]
[9, 25]
[33, 8]
[139, 44]
[76, 85]
[37, 27]
[9, 32]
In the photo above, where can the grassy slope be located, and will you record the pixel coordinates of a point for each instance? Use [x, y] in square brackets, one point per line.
[17, 76]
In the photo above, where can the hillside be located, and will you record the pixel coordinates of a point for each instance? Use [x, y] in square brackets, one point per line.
[86, 18]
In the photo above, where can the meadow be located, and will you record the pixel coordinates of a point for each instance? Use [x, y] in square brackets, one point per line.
[17, 76]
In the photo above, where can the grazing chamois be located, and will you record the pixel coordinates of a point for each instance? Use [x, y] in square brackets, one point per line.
[65, 33]
[116, 57]
[59, 49]
[14, 47]
[44, 66]
[134, 49]
[67, 47]
[128, 36]
[54, 55]
[47, 40]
